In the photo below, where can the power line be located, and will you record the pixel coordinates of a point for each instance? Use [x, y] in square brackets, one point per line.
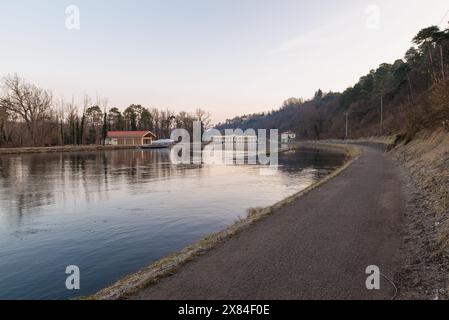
[444, 17]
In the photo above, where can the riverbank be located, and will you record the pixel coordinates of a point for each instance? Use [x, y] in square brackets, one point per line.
[62, 149]
[151, 275]
[426, 158]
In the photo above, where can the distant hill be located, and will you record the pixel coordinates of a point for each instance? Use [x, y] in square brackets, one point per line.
[400, 98]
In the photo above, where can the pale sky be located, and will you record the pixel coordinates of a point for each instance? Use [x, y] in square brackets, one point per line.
[230, 57]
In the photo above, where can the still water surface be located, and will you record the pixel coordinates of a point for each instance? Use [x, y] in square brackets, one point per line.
[112, 213]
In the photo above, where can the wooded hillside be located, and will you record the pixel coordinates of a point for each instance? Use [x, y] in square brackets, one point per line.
[399, 98]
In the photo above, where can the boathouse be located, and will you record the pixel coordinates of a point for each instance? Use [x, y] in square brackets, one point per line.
[130, 138]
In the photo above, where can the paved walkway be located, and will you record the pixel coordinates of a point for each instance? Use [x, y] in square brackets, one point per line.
[318, 247]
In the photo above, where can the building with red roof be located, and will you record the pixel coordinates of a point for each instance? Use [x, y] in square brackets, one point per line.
[130, 138]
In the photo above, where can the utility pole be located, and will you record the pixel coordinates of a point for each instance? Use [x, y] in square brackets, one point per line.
[442, 62]
[347, 125]
[410, 87]
[381, 113]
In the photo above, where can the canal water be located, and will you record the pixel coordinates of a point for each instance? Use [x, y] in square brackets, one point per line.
[112, 213]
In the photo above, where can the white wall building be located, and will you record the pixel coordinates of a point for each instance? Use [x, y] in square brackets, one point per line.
[288, 137]
[234, 139]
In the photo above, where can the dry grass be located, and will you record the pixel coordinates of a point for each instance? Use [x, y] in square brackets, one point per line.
[430, 112]
[150, 275]
[387, 140]
[427, 159]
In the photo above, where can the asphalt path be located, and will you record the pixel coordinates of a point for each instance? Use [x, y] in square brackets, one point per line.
[317, 247]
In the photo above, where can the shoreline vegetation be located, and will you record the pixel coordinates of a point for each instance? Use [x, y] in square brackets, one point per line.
[169, 265]
[31, 117]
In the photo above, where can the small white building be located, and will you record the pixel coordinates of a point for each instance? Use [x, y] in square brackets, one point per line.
[288, 137]
[234, 139]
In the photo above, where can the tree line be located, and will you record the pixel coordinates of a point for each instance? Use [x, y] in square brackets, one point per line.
[30, 116]
[403, 97]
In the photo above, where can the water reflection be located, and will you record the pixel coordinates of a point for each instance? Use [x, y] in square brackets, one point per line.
[113, 212]
[33, 181]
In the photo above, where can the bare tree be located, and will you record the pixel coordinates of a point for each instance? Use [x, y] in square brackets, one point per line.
[4, 119]
[30, 116]
[72, 121]
[30, 102]
[204, 117]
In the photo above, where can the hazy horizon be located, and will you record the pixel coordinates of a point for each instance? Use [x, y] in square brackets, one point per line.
[227, 57]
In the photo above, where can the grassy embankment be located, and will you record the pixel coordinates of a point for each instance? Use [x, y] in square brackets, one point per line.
[427, 159]
[169, 265]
